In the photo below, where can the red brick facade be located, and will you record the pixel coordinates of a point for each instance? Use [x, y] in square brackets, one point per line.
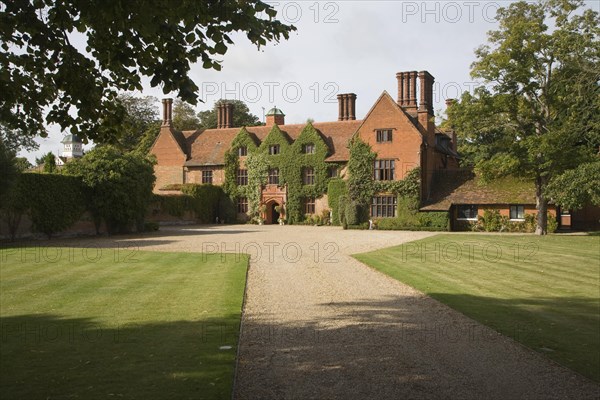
[401, 130]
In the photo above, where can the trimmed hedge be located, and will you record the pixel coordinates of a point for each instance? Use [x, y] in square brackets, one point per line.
[53, 202]
[337, 187]
[207, 202]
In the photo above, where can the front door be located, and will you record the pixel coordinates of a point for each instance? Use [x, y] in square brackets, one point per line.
[273, 214]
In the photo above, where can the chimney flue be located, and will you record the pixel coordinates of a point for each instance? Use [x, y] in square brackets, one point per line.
[341, 107]
[167, 112]
[228, 108]
[346, 107]
[400, 77]
[426, 83]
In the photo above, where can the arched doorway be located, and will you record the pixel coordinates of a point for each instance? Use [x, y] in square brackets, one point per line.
[272, 214]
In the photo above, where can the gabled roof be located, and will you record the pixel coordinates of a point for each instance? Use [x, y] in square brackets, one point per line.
[385, 96]
[463, 187]
[208, 147]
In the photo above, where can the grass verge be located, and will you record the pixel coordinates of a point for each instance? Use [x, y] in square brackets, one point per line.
[542, 291]
[104, 323]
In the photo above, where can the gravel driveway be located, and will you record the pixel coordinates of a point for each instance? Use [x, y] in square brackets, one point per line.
[318, 324]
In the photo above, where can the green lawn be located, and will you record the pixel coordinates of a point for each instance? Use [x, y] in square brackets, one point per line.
[542, 291]
[88, 323]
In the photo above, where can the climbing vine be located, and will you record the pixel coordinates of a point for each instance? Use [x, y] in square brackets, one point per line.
[232, 161]
[362, 186]
[291, 162]
[295, 161]
[258, 169]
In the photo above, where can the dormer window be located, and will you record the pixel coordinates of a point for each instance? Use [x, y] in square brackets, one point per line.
[242, 151]
[308, 148]
[384, 135]
[274, 149]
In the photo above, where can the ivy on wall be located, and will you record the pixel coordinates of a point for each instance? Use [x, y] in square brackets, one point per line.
[53, 202]
[291, 161]
[232, 162]
[336, 189]
[295, 161]
[360, 168]
[258, 168]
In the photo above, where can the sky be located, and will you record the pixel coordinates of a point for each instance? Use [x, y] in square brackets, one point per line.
[341, 47]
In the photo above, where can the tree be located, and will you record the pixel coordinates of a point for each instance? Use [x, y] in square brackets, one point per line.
[141, 115]
[15, 141]
[22, 164]
[241, 115]
[49, 162]
[8, 170]
[576, 187]
[538, 113]
[43, 66]
[184, 117]
[119, 186]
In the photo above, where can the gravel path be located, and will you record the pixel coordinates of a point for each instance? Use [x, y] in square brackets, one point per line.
[318, 324]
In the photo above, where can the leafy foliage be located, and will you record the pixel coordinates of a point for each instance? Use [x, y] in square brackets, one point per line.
[49, 162]
[140, 117]
[14, 140]
[576, 187]
[256, 173]
[360, 170]
[53, 202]
[22, 164]
[335, 190]
[205, 201]
[258, 168]
[124, 41]
[118, 185]
[292, 164]
[184, 117]
[241, 115]
[408, 216]
[539, 112]
[493, 221]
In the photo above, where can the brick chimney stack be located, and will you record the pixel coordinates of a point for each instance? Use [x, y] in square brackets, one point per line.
[167, 112]
[346, 107]
[224, 115]
[407, 91]
[426, 82]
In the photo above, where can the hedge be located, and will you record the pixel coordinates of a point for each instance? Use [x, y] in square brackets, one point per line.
[207, 202]
[53, 202]
[337, 187]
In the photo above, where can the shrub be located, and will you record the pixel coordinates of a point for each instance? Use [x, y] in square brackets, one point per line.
[351, 213]
[53, 202]
[118, 186]
[204, 201]
[342, 211]
[150, 226]
[337, 188]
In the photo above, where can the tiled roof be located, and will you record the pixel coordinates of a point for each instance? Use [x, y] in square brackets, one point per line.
[208, 147]
[463, 187]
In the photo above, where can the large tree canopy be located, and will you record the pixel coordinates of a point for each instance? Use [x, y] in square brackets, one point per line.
[539, 111]
[241, 115]
[46, 78]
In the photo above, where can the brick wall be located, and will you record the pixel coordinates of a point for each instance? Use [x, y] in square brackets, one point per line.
[406, 139]
[170, 159]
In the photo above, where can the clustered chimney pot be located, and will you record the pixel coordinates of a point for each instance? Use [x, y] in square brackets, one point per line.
[167, 112]
[346, 107]
[224, 115]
